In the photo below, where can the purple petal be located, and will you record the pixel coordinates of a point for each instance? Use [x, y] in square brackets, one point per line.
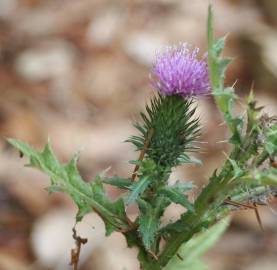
[178, 71]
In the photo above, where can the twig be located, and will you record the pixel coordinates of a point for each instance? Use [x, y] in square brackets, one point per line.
[143, 151]
[258, 216]
[248, 206]
[75, 253]
[153, 255]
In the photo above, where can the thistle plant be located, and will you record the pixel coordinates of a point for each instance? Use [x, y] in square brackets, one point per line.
[168, 135]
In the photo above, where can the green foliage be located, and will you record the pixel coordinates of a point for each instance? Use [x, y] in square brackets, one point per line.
[119, 182]
[190, 252]
[253, 142]
[269, 129]
[66, 178]
[175, 130]
[224, 97]
[262, 177]
[175, 195]
[149, 220]
[137, 188]
[167, 136]
[217, 68]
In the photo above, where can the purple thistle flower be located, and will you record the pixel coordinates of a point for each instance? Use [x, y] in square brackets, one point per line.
[177, 71]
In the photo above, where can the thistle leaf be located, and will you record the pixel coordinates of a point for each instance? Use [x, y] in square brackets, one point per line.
[119, 182]
[149, 219]
[182, 187]
[271, 140]
[224, 97]
[266, 177]
[66, 178]
[176, 196]
[189, 159]
[137, 188]
[237, 171]
[148, 223]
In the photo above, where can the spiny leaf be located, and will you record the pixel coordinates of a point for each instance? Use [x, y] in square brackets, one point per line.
[149, 219]
[217, 65]
[175, 196]
[224, 97]
[66, 178]
[137, 188]
[237, 171]
[271, 140]
[189, 159]
[252, 113]
[264, 177]
[148, 223]
[119, 182]
[182, 187]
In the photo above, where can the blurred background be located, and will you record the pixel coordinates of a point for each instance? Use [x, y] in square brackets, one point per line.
[77, 71]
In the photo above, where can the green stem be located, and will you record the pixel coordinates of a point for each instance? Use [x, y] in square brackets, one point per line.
[261, 158]
[194, 220]
[248, 195]
[211, 197]
[205, 207]
[174, 243]
[147, 261]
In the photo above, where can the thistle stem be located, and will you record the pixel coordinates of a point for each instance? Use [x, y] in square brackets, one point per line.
[143, 151]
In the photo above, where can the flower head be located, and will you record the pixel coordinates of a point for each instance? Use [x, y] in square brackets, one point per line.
[178, 71]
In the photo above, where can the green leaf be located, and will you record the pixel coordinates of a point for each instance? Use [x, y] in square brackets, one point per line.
[252, 113]
[119, 182]
[146, 262]
[112, 212]
[182, 187]
[148, 223]
[66, 178]
[224, 97]
[271, 140]
[189, 160]
[176, 196]
[264, 177]
[24, 148]
[217, 65]
[83, 210]
[149, 219]
[137, 188]
[218, 46]
[196, 247]
[237, 171]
